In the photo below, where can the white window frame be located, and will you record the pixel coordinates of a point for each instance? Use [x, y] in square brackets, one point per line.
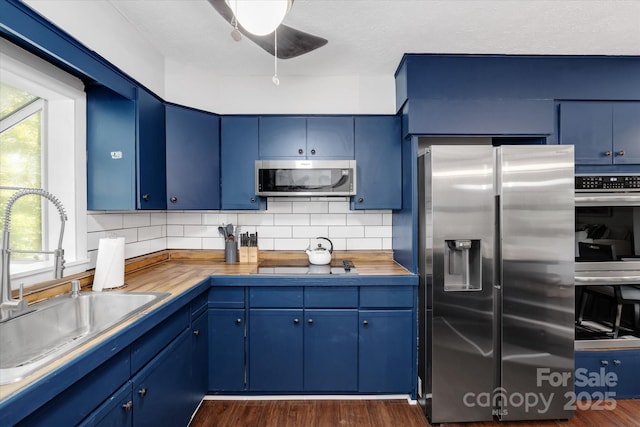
[63, 154]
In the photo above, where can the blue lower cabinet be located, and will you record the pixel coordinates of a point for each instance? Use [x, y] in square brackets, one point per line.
[330, 350]
[612, 374]
[199, 371]
[275, 350]
[117, 411]
[385, 351]
[226, 356]
[161, 389]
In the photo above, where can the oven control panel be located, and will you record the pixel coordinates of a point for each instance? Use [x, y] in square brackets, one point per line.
[608, 183]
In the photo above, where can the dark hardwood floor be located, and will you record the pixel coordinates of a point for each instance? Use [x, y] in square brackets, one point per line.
[374, 413]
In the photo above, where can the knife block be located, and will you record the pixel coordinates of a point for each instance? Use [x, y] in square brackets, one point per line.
[253, 254]
[243, 254]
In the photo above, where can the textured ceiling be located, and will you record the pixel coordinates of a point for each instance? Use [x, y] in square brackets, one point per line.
[368, 37]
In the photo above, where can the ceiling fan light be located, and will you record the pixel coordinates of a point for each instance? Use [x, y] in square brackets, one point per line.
[259, 17]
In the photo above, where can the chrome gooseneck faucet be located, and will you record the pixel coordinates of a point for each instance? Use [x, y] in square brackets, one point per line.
[10, 307]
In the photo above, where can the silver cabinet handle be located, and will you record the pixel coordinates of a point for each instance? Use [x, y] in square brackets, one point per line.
[146, 197]
[238, 321]
[127, 406]
[296, 321]
[607, 153]
[616, 362]
[196, 332]
[621, 153]
[142, 392]
[174, 199]
[310, 321]
[365, 322]
[604, 362]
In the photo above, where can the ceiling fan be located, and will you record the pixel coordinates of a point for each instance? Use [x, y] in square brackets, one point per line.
[290, 43]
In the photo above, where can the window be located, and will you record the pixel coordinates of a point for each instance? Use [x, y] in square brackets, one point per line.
[42, 145]
[21, 119]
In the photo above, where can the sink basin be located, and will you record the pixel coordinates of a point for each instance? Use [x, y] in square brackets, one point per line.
[59, 325]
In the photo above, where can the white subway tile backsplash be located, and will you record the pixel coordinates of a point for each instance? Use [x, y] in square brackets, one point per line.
[310, 232]
[262, 218]
[175, 230]
[328, 219]
[184, 242]
[290, 244]
[184, 218]
[311, 207]
[202, 231]
[363, 244]
[377, 231]
[102, 222]
[287, 224]
[291, 219]
[150, 233]
[136, 220]
[364, 219]
[346, 232]
[274, 232]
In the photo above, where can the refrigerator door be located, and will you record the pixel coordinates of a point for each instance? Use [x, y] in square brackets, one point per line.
[537, 305]
[460, 220]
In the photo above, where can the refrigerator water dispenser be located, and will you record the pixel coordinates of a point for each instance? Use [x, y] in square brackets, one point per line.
[462, 265]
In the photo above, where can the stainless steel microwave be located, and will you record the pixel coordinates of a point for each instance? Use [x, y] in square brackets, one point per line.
[305, 177]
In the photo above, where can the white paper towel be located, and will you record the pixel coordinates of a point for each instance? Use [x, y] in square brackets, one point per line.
[109, 264]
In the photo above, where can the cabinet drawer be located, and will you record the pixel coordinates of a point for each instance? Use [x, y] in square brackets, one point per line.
[226, 297]
[331, 297]
[386, 296]
[199, 305]
[143, 349]
[276, 297]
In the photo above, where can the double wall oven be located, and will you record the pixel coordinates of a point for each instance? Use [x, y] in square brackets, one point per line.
[607, 268]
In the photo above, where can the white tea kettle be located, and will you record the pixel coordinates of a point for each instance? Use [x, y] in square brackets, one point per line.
[320, 255]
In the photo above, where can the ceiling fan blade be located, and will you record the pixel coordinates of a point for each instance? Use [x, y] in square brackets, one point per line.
[291, 42]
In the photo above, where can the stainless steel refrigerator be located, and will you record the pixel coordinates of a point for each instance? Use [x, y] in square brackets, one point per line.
[496, 265]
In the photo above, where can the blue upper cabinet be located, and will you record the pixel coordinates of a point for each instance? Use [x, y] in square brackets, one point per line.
[283, 137]
[111, 144]
[125, 151]
[239, 151]
[378, 154]
[193, 158]
[328, 137]
[603, 133]
[152, 187]
[626, 132]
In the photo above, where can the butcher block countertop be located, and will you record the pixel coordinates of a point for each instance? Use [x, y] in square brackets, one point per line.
[183, 272]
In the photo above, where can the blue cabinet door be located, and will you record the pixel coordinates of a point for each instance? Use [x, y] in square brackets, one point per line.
[385, 349]
[330, 138]
[283, 137]
[161, 389]
[193, 158]
[239, 151]
[226, 350]
[111, 157]
[626, 365]
[199, 369]
[275, 350]
[151, 159]
[378, 154]
[330, 350]
[116, 411]
[626, 132]
[588, 126]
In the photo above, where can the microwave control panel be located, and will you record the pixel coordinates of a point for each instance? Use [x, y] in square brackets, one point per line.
[608, 183]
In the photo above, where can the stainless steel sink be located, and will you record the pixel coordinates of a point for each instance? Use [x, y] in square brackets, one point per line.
[60, 324]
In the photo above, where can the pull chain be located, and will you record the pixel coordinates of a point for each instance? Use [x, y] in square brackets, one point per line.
[275, 79]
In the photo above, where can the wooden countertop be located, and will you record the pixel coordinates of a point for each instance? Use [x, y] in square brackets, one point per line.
[177, 272]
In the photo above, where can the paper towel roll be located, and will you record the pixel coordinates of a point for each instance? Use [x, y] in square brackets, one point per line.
[109, 264]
